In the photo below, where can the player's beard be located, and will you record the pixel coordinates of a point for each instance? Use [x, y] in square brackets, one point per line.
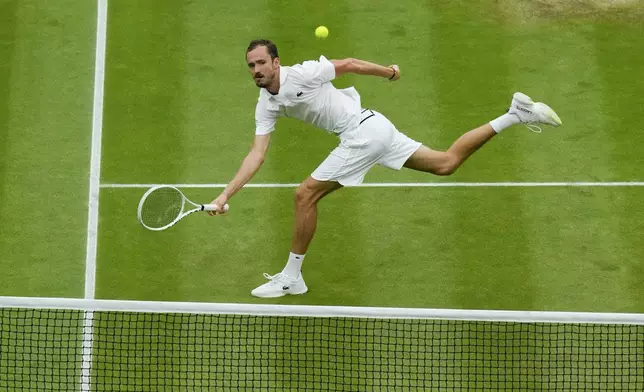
[263, 81]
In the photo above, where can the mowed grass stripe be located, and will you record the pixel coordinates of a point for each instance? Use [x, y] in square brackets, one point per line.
[7, 44]
[142, 130]
[479, 255]
[219, 117]
[620, 55]
[619, 59]
[218, 95]
[143, 95]
[392, 249]
[46, 132]
[567, 248]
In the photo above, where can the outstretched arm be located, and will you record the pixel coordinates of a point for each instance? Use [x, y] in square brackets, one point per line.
[249, 167]
[362, 67]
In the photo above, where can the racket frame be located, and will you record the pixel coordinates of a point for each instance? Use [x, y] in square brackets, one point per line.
[183, 214]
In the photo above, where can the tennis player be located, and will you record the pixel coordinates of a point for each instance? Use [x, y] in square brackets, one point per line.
[305, 92]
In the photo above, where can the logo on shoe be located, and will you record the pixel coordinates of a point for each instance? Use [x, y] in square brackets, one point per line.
[523, 109]
[286, 287]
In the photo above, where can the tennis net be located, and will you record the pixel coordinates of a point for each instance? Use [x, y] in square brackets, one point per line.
[49, 344]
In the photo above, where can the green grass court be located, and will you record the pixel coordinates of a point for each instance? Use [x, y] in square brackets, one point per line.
[179, 108]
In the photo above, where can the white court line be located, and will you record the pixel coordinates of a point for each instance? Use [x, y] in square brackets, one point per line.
[406, 184]
[94, 190]
[95, 162]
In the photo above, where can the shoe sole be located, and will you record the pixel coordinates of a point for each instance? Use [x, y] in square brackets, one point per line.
[280, 294]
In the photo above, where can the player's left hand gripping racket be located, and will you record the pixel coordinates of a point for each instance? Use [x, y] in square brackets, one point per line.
[162, 206]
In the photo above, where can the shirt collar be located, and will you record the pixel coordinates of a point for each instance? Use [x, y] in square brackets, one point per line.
[283, 75]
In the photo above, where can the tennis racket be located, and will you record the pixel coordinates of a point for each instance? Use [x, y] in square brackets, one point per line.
[162, 206]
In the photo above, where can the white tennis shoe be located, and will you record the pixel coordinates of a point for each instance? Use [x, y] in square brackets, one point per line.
[280, 285]
[530, 112]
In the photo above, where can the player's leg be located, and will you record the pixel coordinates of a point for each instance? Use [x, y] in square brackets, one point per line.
[444, 163]
[290, 280]
[307, 196]
[346, 165]
[522, 110]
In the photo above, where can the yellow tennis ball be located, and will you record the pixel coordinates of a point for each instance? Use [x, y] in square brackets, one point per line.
[321, 32]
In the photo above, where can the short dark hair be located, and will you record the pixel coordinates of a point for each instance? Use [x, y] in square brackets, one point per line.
[270, 46]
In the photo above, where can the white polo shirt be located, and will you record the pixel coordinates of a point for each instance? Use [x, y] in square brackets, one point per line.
[306, 93]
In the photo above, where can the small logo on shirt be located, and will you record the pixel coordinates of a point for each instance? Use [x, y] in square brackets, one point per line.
[299, 94]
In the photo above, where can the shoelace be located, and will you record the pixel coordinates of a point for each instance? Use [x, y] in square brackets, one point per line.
[277, 278]
[534, 128]
[531, 126]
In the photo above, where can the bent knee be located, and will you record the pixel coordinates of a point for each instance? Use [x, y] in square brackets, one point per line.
[447, 166]
[302, 194]
[311, 191]
[305, 195]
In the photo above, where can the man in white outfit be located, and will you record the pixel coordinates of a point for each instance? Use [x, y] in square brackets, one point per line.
[304, 91]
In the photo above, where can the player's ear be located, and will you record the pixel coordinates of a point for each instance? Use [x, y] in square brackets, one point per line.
[276, 62]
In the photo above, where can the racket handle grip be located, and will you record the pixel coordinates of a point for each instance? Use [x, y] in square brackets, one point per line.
[211, 207]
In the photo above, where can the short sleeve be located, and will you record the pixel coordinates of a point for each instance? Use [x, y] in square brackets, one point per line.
[265, 119]
[319, 72]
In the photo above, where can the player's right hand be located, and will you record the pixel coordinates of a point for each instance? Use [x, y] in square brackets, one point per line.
[219, 202]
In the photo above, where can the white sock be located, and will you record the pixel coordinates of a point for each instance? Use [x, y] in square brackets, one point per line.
[294, 265]
[504, 121]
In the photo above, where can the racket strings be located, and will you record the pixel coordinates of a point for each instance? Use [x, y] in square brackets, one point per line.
[161, 207]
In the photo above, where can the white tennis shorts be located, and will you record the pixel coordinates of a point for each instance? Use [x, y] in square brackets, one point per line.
[375, 141]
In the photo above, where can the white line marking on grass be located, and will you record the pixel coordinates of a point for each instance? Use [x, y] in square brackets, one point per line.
[86, 357]
[95, 162]
[94, 189]
[405, 184]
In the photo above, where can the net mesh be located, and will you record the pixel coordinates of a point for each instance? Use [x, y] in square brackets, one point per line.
[41, 350]
[161, 207]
